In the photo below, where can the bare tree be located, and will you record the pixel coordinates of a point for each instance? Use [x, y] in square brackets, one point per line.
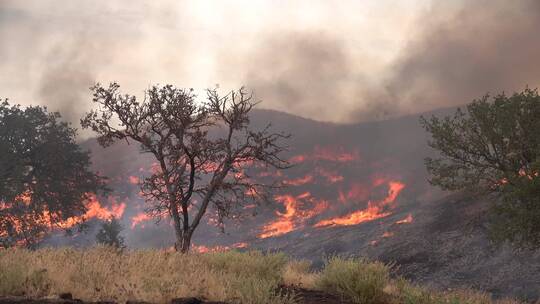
[201, 150]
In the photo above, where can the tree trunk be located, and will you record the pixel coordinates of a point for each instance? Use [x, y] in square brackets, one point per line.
[183, 242]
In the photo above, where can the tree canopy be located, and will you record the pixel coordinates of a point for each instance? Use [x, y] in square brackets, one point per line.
[493, 147]
[45, 178]
[201, 149]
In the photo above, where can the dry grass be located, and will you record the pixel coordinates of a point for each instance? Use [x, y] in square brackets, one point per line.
[298, 273]
[366, 282]
[150, 275]
[360, 280]
[103, 273]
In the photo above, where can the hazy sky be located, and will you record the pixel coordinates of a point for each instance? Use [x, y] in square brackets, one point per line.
[341, 61]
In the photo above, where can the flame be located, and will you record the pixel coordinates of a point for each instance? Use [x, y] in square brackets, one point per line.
[134, 180]
[285, 221]
[206, 249]
[407, 220]
[47, 220]
[335, 156]
[357, 192]
[369, 214]
[218, 248]
[388, 234]
[327, 154]
[299, 181]
[240, 245]
[25, 197]
[372, 212]
[331, 177]
[138, 219]
[293, 216]
[95, 210]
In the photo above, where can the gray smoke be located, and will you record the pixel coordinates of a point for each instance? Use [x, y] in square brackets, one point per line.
[66, 79]
[460, 51]
[453, 52]
[463, 53]
[303, 73]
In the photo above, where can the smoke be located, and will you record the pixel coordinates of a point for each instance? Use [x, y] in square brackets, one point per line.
[461, 53]
[301, 73]
[341, 62]
[69, 73]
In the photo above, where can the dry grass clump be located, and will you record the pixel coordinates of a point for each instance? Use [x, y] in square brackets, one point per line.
[356, 278]
[298, 273]
[149, 275]
[156, 276]
[366, 282]
[404, 292]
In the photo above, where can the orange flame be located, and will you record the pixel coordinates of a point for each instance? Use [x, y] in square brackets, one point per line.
[94, 210]
[134, 180]
[407, 220]
[138, 219]
[372, 212]
[388, 234]
[331, 177]
[369, 214]
[327, 154]
[293, 216]
[299, 181]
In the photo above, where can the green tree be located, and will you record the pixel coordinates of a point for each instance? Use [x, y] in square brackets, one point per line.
[45, 178]
[201, 150]
[493, 148]
[109, 233]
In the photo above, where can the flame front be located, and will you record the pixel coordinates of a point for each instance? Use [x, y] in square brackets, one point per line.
[372, 212]
[294, 216]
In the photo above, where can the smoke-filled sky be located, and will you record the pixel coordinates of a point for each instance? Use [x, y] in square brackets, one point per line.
[342, 61]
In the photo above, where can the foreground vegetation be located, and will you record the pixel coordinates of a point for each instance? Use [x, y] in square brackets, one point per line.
[104, 273]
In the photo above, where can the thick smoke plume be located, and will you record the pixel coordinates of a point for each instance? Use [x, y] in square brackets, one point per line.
[457, 52]
[345, 62]
[464, 52]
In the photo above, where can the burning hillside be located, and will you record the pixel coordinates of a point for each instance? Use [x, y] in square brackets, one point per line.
[342, 196]
[334, 182]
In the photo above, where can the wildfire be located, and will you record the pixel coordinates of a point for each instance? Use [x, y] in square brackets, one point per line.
[357, 192]
[327, 154]
[218, 248]
[46, 219]
[388, 234]
[240, 245]
[134, 180]
[331, 177]
[285, 221]
[372, 212]
[95, 210]
[293, 216]
[299, 181]
[407, 220]
[138, 219]
[369, 214]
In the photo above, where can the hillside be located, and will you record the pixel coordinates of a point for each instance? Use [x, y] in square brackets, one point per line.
[356, 189]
